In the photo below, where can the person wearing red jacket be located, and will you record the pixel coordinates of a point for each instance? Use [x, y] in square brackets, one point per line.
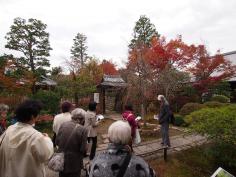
[129, 116]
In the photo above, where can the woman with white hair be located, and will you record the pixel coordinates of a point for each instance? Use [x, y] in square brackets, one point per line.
[72, 140]
[118, 160]
[164, 118]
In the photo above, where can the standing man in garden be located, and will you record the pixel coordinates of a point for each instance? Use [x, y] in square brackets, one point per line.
[91, 124]
[164, 117]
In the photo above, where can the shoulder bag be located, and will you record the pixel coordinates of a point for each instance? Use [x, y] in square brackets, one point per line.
[124, 166]
[56, 162]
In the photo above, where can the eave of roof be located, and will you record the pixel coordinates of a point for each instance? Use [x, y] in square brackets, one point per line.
[229, 53]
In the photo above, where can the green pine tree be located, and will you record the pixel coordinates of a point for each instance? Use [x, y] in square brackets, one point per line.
[144, 30]
[31, 39]
[78, 50]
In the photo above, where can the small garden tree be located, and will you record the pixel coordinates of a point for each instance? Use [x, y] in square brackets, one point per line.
[50, 100]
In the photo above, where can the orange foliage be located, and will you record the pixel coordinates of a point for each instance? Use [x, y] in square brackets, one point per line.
[175, 52]
[12, 84]
[108, 67]
[162, 53]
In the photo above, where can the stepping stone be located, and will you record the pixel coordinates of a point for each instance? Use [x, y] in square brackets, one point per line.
[177, 149]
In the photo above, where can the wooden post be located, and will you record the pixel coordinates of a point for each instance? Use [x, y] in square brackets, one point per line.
[165, 154]
[103, 101]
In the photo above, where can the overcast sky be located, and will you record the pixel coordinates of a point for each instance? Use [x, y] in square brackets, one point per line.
[108, 24]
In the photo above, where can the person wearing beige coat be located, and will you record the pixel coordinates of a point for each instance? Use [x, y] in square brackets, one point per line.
[24, 150]
[91, 124]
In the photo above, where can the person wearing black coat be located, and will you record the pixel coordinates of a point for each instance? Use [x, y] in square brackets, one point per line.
[164, 117]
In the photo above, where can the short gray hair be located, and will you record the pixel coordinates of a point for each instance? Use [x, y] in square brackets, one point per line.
[3, 107]
[162, 98]
[119, 132]
[78, 114]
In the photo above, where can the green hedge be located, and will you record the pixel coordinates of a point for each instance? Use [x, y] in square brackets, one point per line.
[213, 104]
[220, 98]
[219, 124]
[190, 107]
[179, 120]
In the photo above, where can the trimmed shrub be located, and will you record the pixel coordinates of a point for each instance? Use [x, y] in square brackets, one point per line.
[50, 100]
[220, 98]
[190, 107]
[213, 104]
[179, 120]
[219, 124]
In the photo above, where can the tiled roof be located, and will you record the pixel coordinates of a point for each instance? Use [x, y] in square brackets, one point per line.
[229, 53]
[113, 80]
[46, 81]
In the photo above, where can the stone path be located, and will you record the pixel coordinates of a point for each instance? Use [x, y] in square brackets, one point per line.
[178, 143]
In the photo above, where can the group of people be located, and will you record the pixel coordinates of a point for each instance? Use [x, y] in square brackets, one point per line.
[24, 151]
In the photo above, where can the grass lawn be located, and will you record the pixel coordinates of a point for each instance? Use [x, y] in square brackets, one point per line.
[189, 163]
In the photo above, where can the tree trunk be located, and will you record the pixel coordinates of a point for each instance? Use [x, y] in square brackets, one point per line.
[75, 92]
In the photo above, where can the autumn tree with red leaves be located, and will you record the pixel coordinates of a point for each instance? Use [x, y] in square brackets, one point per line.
[108, 67]
[209, 70]
[161, 66]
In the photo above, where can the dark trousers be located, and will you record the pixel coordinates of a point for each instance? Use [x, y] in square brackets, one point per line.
[165, 134]
[93, 148]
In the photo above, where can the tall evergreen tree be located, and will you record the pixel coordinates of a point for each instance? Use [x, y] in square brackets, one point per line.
[144, 30]
[78, 50]
[31, 39]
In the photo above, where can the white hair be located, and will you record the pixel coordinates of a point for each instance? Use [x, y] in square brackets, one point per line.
[162, 98]
[119, 132]
[78, 113]
[3, 107]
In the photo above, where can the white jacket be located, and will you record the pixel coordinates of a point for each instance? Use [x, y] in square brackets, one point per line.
[59, 120]
[24, 151]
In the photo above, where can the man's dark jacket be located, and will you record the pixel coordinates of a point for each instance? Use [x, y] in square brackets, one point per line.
[165, 113]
